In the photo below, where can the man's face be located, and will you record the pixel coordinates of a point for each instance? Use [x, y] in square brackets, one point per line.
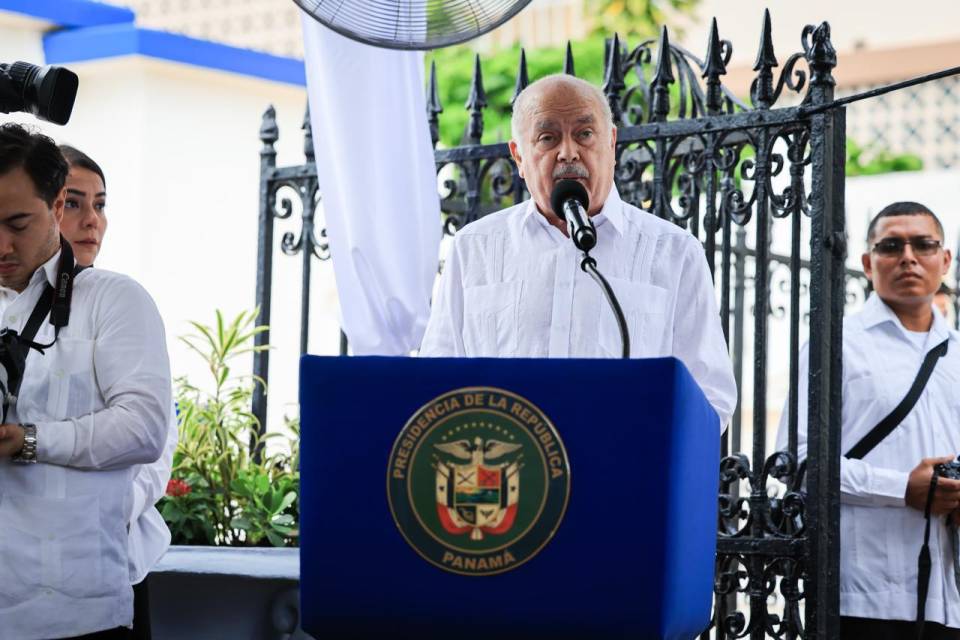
[84, 217]
[906, 278]
[29, 229]
[565, 135]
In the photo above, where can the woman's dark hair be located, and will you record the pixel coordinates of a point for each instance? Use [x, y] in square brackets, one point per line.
[78, 158]
[39, 157]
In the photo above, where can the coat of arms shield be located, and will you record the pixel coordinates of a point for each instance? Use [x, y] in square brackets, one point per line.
[479, 497]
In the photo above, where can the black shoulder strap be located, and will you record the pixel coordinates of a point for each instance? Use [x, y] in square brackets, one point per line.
[888, 424]
[55, 301]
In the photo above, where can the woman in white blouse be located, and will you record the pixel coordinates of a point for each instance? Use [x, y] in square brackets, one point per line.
[84, 225]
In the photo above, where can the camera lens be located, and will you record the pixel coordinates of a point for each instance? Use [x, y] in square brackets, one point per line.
[46, 92]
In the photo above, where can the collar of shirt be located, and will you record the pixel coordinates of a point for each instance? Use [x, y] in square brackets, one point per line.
[48, 271]
[876, 312]
[612, 210]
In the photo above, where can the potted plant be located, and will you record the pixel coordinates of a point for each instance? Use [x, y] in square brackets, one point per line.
[232, 503]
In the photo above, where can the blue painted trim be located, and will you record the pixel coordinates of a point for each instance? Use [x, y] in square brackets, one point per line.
[110, 41]
[69, 13]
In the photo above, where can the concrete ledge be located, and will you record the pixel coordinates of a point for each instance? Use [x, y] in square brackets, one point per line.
[248, 562]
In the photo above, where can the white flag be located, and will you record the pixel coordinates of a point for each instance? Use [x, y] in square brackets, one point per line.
[378, 186]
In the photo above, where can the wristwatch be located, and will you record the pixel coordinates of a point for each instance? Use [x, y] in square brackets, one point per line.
[28, 454]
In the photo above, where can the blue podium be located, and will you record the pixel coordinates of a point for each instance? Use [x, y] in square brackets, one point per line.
[471, 498]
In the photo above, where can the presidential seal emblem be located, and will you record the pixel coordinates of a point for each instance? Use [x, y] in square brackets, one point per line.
[478, 481]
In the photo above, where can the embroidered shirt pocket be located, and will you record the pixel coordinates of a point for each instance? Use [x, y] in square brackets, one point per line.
[65, 558]
[73, 388]
[490, 319]
[645, 309]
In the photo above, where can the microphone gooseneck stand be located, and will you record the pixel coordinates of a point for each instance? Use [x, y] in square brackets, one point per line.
[570, 202]
[589, 265]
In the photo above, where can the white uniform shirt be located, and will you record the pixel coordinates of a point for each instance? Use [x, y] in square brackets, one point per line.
[512, 287]
[880, 536]
[149, 535]
[100, 398]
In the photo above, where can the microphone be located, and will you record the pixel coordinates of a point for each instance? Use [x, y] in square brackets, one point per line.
[570, 202]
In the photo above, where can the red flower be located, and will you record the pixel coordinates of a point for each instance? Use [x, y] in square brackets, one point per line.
[177, 488]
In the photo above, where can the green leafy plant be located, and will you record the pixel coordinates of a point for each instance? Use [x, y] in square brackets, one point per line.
[869, 160]
[231, 485]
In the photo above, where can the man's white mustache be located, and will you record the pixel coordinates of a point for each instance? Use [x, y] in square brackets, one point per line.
[570, 171]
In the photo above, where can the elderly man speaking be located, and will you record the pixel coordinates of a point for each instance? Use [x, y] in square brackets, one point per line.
[512, 285]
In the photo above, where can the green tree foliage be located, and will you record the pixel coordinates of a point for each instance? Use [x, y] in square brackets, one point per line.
[634, 19]
[455, 72]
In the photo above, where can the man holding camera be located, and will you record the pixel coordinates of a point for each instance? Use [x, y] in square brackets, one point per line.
[87, 384]
[901, 370]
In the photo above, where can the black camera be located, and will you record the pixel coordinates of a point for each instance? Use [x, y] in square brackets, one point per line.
[949, 470]
[13, 361]
[46, 92]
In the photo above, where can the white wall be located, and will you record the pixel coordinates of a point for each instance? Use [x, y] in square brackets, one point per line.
[180, 149]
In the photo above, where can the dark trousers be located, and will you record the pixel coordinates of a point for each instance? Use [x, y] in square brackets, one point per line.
[141, 611]
[869, 628]
[141, 620]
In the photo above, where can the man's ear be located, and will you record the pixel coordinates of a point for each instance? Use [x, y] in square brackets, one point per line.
[867, 266]
[58, 205]
[947, 261]
[613, 137]
[515, 154]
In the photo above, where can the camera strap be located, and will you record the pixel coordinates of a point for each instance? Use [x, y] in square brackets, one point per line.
[886, 426]
[923, 560]
[53, 301]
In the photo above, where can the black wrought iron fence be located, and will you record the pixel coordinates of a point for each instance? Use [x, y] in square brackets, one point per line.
[745, 177]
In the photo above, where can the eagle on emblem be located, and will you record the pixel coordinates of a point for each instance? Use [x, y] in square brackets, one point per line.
[477, 493]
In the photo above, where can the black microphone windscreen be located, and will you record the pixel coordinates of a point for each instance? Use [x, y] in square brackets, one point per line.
[563, 191]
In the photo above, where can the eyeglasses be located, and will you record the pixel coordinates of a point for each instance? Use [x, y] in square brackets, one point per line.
[894, 246]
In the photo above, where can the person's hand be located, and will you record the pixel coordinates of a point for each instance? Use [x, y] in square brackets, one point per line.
[11, 440]
[947, 496]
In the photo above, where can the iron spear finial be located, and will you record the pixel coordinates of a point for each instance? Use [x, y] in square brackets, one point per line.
[568, 61]
[522, 78]
[613, 83]
[434, 108]
[476, 103]
[307, 128]
[761, 90]
[662, 79]
[718, 54]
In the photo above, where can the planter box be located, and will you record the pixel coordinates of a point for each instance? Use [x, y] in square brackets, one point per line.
[226, 593]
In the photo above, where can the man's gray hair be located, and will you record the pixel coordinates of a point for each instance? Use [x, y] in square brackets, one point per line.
[527, 101]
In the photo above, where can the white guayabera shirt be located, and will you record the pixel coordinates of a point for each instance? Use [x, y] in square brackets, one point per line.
[100, 398]
[512, 287]
[149, 535]
[880, 536]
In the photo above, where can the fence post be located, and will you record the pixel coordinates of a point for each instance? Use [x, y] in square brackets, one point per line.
[269, 134]
[827, 287]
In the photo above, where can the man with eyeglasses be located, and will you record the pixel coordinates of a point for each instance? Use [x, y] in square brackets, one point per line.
[890, 444]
